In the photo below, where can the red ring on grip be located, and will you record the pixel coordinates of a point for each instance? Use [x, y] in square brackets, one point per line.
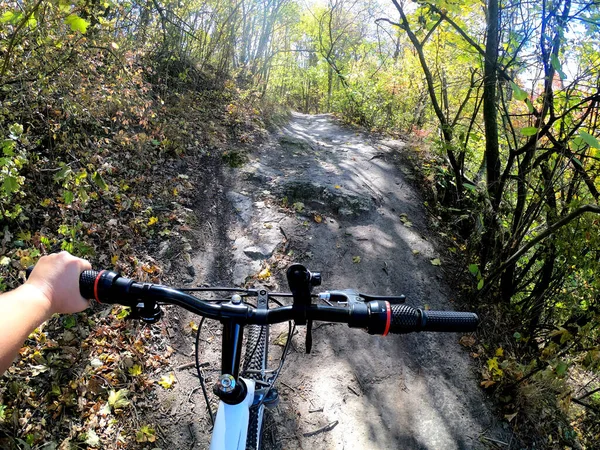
[96, 285]
[388, 320]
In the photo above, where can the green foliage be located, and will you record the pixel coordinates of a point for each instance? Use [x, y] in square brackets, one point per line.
[77, 23]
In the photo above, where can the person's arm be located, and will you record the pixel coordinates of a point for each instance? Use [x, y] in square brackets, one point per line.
[52, 287]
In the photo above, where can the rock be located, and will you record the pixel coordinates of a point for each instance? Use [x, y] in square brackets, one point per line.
[191, 270]
[242, 205]
[294, 143]
[243, 269]
[394, 144]
[324, 196]
[256, 252]
[163, 248]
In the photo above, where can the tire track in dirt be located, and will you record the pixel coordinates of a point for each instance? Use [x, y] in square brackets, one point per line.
[397, 392]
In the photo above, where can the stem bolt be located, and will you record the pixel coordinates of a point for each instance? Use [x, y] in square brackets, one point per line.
[236, 299]
[225, 385]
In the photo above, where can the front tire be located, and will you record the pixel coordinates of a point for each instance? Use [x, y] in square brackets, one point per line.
[255, 365]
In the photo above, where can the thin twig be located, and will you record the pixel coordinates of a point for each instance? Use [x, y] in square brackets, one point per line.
[328, 427]
[494, 440]
[192, 393]
[353, 391]
[288, 386]
[185, 366]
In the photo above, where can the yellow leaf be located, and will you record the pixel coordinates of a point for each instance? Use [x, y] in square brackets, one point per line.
[499, 351]
[264, 274]
[337, 186]
[356, 259]
[193, 326]
[318, 218]
[281, 339]
[118, 399]
[135, 370]
[167, 381]
[152, 221]
[114, 259]
[436, 262]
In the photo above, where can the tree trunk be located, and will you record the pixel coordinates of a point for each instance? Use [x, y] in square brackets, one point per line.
[490, 121]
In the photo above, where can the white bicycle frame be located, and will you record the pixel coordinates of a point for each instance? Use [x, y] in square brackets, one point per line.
[231, 424]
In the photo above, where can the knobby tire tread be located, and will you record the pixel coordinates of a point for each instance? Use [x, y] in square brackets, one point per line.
[256, 359]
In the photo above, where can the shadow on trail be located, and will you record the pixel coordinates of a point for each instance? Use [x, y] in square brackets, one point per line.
[409, 392]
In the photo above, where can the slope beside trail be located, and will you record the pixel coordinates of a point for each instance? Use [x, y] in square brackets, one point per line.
[352, 215]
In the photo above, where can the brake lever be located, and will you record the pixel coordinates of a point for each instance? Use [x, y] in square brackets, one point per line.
[392, 299]
[349, 296]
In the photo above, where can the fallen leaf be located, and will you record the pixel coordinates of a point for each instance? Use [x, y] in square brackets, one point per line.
[96, 363]
[135, 370]
[436, 262]
[118, 399]
[510, 417]
[337, 186]
[467, 341]
[318, 218]
[281, 339]
[92, 439]
[264, 274]
[298, 206]
[415, 252]
[167, 381]
[487, 383]
[356, 259]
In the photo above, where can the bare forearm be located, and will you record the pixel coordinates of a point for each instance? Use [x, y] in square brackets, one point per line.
[21, 312]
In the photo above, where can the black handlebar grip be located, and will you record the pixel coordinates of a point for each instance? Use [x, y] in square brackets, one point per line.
[450, 321]
[406, 319]
[87, 279]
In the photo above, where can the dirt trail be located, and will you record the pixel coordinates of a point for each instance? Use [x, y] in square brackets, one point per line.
[398, 392]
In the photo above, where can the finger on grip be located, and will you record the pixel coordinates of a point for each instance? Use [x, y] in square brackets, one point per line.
[87, 279]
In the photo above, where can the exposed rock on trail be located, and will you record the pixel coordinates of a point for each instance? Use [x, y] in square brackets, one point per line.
[352, 216]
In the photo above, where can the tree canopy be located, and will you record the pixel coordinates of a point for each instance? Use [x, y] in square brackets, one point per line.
[501, 96]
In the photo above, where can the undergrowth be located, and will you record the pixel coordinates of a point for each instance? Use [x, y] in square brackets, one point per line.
[535, 392]
[95, 164]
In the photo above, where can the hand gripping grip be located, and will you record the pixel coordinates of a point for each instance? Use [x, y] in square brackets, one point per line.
[87, 280]
[105, 286]
[406, 319]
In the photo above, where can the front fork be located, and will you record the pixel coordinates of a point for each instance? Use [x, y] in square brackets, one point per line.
[230, 387]
[237, 394]
[231, 424]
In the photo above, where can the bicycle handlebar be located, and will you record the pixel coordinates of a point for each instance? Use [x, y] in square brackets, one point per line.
[375, 316]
